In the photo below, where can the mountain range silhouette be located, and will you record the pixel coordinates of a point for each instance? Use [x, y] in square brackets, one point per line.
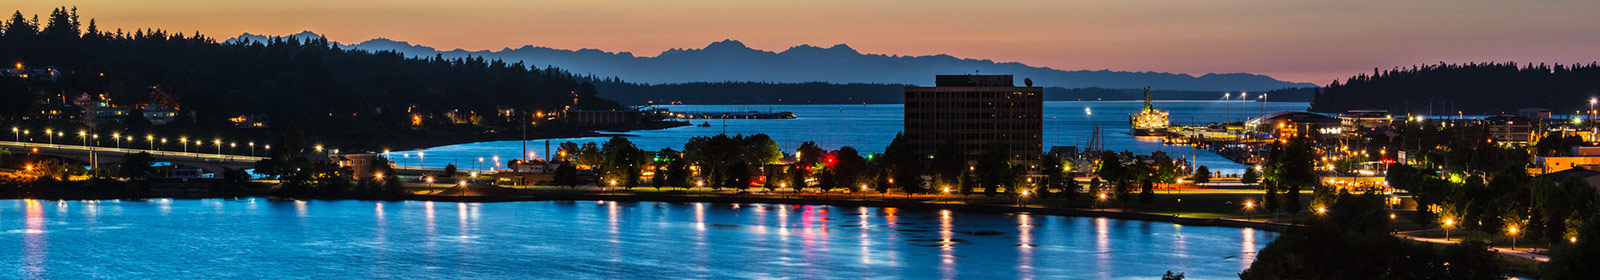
[732, 61]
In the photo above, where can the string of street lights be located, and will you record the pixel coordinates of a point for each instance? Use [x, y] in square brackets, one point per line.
[117, 138]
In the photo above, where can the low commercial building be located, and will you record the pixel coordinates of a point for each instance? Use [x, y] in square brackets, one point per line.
[158, 115]
[1510, 129]
[1358, 121]
[1289, 124]
[1580, 157]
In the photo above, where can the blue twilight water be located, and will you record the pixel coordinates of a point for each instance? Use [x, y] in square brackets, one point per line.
[869, 128]
[257, 238]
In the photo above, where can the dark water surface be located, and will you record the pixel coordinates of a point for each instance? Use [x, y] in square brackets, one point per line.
[258, 238]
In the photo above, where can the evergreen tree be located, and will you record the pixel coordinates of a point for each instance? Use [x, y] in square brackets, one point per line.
[1291, 200]
[1147, 193]
[567, 175]
[1201, 175]
[1070, 188]
[994, 169]
[1249, 176]
[1095, 190]
[797, 178]
[1270, 200]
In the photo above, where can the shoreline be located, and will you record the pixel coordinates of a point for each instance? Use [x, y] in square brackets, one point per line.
[1068, 212]
[423, 143]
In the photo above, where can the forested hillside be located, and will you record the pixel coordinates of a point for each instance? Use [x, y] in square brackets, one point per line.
[313, 85]
[1473, 88]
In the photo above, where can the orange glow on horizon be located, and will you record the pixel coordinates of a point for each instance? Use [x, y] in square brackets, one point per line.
[1289, 41]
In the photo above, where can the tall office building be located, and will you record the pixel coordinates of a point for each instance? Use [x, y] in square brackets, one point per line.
[971, 111]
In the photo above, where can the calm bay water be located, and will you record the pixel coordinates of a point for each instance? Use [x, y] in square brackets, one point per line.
[257, 238]
[870, 128]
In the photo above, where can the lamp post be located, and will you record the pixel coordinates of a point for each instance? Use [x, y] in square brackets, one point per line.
[151, 139]
[84, 136]
[16, 135]
[163, 142]
[49, 136]
[1513, 234]
[1447, 224]
[218, 143]
[1592, 101]
[1226, 110]
[252, 148]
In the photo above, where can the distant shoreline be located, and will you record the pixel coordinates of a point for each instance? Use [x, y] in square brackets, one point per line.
[434, 142]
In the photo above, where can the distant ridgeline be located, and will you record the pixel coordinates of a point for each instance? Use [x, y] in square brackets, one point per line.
[827, 93]
[1473, 88]
[322, 88]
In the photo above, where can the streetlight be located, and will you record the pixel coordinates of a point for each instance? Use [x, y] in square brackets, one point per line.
[252, 148]
[16, 135]
[184, 141]
[1225, 110]
[117, 136]
[1019, 198]
[49, 136]
[1592, 101]
[1248, 206]
[151, 139]
[84, 136]
[163, 142]
[1447, 224]
[218, 143]
[1513, 234]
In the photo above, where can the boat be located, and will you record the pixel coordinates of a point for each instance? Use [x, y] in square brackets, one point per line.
[705, 124]
[1149, 121]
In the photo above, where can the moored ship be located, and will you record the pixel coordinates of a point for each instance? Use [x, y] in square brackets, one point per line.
[1149, 121]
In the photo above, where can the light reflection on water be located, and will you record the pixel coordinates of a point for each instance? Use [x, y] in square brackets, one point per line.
[610, 239]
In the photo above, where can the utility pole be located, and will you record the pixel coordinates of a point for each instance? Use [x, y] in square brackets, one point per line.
[525, 136]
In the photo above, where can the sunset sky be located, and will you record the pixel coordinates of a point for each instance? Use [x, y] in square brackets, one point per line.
[1294, 40]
